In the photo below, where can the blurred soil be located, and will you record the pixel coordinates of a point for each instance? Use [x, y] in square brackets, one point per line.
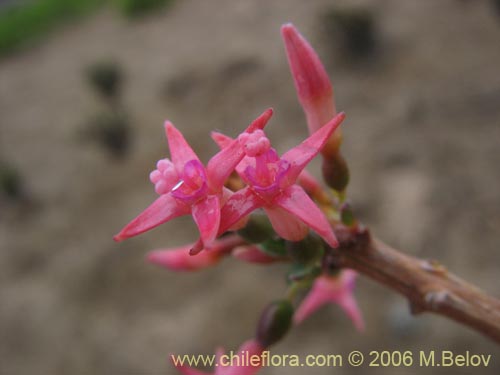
[422, 138]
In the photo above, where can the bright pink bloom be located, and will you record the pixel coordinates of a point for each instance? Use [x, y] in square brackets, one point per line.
[271, 185]
[179, 259]
[187, 187]
[313, 86]
[332, 289]
[249, 349]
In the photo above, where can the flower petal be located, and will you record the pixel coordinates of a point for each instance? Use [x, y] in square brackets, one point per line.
[160, 211]
[295, 201]
[239, 205]
[261, 121]
[248, 349]
[223, 163]
[286, 225]
[206, 214]
[301, 155]
[180, 151]
[350, 306]
[314, 300]
[224, 141]
[179, 259]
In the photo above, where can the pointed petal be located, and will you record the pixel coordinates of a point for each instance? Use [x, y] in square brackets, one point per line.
[222, 164]
[261, 121]
[301, 155]
[197, 247]
[312, 84]
[286, 225]
[160, 211]
[179, 259]
[350, 306]
[314, 300]
[224, 141]
[180, 151]
[295, 201]
[239, 205]
[206, 214]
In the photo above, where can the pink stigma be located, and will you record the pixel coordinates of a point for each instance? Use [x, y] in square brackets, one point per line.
[164, 177]
[254, 144]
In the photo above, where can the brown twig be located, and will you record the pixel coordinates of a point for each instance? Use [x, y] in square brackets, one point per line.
[427, 284]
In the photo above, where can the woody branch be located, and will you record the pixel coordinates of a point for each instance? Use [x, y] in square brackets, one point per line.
[427, 285]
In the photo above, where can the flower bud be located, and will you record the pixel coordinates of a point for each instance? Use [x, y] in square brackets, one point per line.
[347, 215]
[274, 322]
[335, 172]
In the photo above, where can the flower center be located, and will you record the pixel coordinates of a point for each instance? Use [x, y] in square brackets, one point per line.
[164, 177]
[192, 185]
[267, 175]
[254, 144]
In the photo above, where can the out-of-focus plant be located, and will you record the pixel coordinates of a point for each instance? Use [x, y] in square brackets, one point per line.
[106, 78]
[10, 182]
[278, 212]
[355, 28]
[133, 8]
[111, 130]
[27, 21]
[110, 127]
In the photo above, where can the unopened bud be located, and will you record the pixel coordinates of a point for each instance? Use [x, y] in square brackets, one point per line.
[335, 171]
[274, 322]
[347, 215]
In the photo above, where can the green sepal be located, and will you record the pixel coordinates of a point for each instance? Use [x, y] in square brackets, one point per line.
[274, 247]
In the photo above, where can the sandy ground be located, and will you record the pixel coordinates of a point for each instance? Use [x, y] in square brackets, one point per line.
[422, 138]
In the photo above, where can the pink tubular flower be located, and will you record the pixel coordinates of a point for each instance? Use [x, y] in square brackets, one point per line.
[332, 289]
[313, 86]
[243, 364]
[186, 187]
[271, 185]
[179, 259]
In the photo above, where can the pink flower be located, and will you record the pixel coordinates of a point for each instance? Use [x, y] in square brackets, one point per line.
[313, 86]
[332, 289]
[179, 259]
[228, 365]
[271, 185]
[186, 187]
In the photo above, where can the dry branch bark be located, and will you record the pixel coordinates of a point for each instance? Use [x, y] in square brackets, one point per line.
[426, 284]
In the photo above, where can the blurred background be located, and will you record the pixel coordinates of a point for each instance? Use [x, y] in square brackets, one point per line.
[84, 89]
